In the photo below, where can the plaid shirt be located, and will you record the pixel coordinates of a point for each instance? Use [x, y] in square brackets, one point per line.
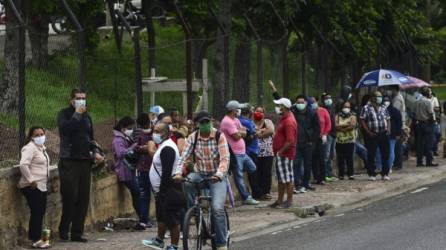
[377, 121]
[210, 158]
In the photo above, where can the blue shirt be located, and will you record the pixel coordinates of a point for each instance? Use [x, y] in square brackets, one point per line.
[253, 147]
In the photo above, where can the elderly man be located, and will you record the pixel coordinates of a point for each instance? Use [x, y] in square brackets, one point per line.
[375, 121]
[284, 147]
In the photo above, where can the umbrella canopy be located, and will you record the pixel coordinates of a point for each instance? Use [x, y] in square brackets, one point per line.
[382, 77]
[415, 83]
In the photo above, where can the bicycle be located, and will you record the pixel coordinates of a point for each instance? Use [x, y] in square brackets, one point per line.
[196, 235]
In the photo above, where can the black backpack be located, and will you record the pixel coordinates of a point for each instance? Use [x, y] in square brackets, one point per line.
[232, 159]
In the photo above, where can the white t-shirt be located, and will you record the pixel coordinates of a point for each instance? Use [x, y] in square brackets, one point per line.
[155, 177]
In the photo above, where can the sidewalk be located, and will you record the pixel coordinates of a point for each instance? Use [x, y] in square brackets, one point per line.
[249, 220]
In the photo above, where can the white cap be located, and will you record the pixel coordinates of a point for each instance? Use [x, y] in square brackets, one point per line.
[283, 101]
[232, 105]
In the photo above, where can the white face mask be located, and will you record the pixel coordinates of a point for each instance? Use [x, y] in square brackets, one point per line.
[278, 111]
[40, 140]
[346, 110]
[386, 103]
[147, 131]
[157, 138]
[238, 112]
[80, 103]
[170, 127]
[128, 132]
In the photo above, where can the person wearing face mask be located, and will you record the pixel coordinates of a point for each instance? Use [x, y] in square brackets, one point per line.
[154, 112]
[175, 135]
[77, 153]
[284, 148]
[34, 169]
[329, 148]
[122, 146]
[142, 135]
[375, 122]
[322, 145]
[264, 133]
[207, 149]
[345, 140]
[235, 132]
[168, 216]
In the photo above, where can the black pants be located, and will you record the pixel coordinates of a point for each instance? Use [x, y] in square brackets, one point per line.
[344, 154]
[264, 170]
[318, 166]
[75, 181]
[424, 138]
[398, 162]
[372, 143]
[133, 187]
[253, 178]
[36, 200]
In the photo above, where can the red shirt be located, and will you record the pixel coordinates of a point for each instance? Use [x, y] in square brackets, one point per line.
[286, 132]
[324, 120]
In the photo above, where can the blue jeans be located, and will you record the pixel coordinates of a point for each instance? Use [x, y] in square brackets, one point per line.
[244, 163]
[218, 193]
[145, 189]
[302, 165]
[392, 142]
[132, 186]
[436, 139]
[361, 152]
[328, 151]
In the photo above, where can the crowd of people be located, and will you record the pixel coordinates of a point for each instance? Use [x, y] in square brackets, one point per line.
[154, 153]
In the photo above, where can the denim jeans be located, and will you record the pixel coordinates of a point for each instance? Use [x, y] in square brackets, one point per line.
[302, 165]
[244, 163]
[424, 138]
[328, 152]
[132, 186]
[361, 152]
[145, 189]
[218, 194]
[436, 139]
[392, 143]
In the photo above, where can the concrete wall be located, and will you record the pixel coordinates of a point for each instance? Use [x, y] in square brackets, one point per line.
[107, 199]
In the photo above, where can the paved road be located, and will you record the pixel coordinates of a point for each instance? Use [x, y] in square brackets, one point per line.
[415, 220]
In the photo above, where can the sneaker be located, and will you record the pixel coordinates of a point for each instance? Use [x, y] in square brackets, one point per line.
[296, 191]
[372, 178]
[302, 190]
[285, 205]
[250, 201]
[310, 188]
[274, 205]
[222, 248]
[351, 177]
[331, 178]
[172, 247]
[139, 227]
[386, 178]
[154, 243]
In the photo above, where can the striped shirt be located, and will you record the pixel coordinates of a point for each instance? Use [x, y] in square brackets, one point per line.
[210, 158]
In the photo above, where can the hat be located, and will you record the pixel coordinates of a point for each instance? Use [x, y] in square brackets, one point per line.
[202, 116]
[283, 101]
[156, 110]
[232, 105]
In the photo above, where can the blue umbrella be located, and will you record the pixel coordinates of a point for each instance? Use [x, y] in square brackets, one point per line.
[382, 77]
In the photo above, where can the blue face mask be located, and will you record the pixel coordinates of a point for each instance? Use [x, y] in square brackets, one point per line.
[157, 138]
[328, 102]
[314, 106]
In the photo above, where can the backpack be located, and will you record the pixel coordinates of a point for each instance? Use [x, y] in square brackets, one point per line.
[232, 159]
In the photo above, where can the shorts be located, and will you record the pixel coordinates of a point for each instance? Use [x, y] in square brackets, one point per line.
[284, 169]
[170, 217]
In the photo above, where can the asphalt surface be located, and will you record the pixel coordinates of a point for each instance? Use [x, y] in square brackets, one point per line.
[414, 220]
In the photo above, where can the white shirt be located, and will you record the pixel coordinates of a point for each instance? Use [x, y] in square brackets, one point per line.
[155, 177]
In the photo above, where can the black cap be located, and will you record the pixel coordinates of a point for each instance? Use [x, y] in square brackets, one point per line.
[202, 116]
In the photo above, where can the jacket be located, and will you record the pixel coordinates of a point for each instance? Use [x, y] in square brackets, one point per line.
[120, 146]
[34, 166]
[308, 125]
[76, 133]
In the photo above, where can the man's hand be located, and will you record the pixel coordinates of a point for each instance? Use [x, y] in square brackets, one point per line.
[81, 109]
[98, 157]
[272, 86]
[324, 139]
[177, 178]
[33, 185]
[242, 131]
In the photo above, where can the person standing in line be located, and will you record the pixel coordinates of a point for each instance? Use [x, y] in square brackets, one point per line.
[284, 146]
[321, 145]
[329, 147]
[34, 169]
[375, 122]
[437, 118]
[425, 120]
[235, 132]
[163, 166]
[76, 157]
[345, 140]
[264, 132]
[252, 149]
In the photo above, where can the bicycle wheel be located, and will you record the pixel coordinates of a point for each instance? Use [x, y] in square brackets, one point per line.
[228, 235]
[192, 237]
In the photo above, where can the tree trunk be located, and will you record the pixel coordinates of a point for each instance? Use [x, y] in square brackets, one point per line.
[38, 37]
[9, 90]
[242, 66]
[221, 62]
[285, 71]
[151, 42]
[199, 49]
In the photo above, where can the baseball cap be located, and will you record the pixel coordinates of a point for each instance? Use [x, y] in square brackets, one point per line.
[156, 110]
[233, 104]
[283, 101]
[202, 116]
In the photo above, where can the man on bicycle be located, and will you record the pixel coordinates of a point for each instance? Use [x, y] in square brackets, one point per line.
[208, 151]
